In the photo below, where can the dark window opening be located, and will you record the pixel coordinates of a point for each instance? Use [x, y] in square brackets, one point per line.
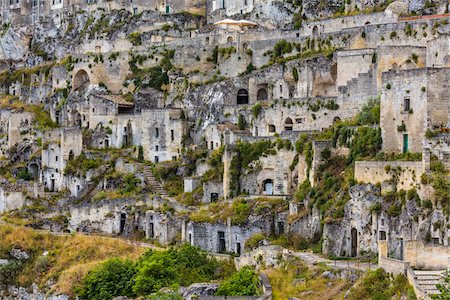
[221, 237]
[242, 97]
[123, 218]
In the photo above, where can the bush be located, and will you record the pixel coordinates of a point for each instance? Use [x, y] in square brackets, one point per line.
[243, 283]
[111, 279]
[370, 113]
[158, 269]
[9, 272]
[254, 240]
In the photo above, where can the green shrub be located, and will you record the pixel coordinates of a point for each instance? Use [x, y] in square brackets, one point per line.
[370, 113]
[111, 279]
[243, 283]
[9, 273]
[254, 240]
[184, 266]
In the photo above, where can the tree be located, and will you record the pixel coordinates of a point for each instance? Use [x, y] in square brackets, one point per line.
[242, 283]
[109, 280]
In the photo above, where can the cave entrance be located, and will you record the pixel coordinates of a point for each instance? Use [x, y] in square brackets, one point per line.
[123, 218]
[354, 242]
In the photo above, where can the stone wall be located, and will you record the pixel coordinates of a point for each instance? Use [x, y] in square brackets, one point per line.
[427, 256]
[408, 172]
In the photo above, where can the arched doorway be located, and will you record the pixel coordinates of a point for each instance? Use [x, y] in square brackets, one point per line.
[262, 95]
[81, 81]
[242, 97]
[268, 187]
[354, 242]
[288, 124]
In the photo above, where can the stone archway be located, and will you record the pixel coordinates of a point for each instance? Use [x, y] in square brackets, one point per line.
[288, 124]
[262, 95]
[81, 81]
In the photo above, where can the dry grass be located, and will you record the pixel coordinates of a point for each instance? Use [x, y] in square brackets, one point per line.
[297, 280]
[69, 257]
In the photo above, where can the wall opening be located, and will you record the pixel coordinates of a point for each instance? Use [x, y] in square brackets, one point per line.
[221, 245]
[268, 187]
[123, 218]
[230, 40]
[262, 95]
[288, 124]
[242, 97]
[81, 81]
[272, 128]
[354, 242]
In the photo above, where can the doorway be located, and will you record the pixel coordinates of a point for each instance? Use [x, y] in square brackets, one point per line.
[354, 242]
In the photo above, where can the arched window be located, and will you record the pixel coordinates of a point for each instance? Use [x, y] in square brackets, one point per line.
[242, 97]
[230, 40]
[288, 124]
[315, 31]
[272, 128]
[262, 95]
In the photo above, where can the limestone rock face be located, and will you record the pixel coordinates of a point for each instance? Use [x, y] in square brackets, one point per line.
[15, 293]
[199, 289]
[13, 46]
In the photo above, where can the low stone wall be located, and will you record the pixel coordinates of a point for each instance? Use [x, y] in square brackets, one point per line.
[426, 256]
[393, 266]
[409, 172]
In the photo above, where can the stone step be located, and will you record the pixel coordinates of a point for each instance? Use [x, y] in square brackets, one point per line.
[429, 282]
[429, 272]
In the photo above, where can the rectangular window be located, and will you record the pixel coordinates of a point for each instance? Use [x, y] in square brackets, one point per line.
[156, 132]
[172, 135]
[406, 104]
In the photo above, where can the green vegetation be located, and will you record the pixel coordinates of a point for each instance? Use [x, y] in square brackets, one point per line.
[379, 285]
[110, 279]
[135, 38]
[444, 288]
[81, 164]
[245, 154]
[242, 283]
[154, 270]
[155, 77]
[238, 210]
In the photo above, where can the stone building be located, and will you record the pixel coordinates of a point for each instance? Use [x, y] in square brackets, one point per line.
[163, 132]
[59, 147]
[412, 101]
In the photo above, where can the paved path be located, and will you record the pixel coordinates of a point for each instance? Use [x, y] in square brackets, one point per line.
[311, 259]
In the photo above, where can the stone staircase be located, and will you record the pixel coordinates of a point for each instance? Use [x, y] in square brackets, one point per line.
[154, 184]
[427, 281]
